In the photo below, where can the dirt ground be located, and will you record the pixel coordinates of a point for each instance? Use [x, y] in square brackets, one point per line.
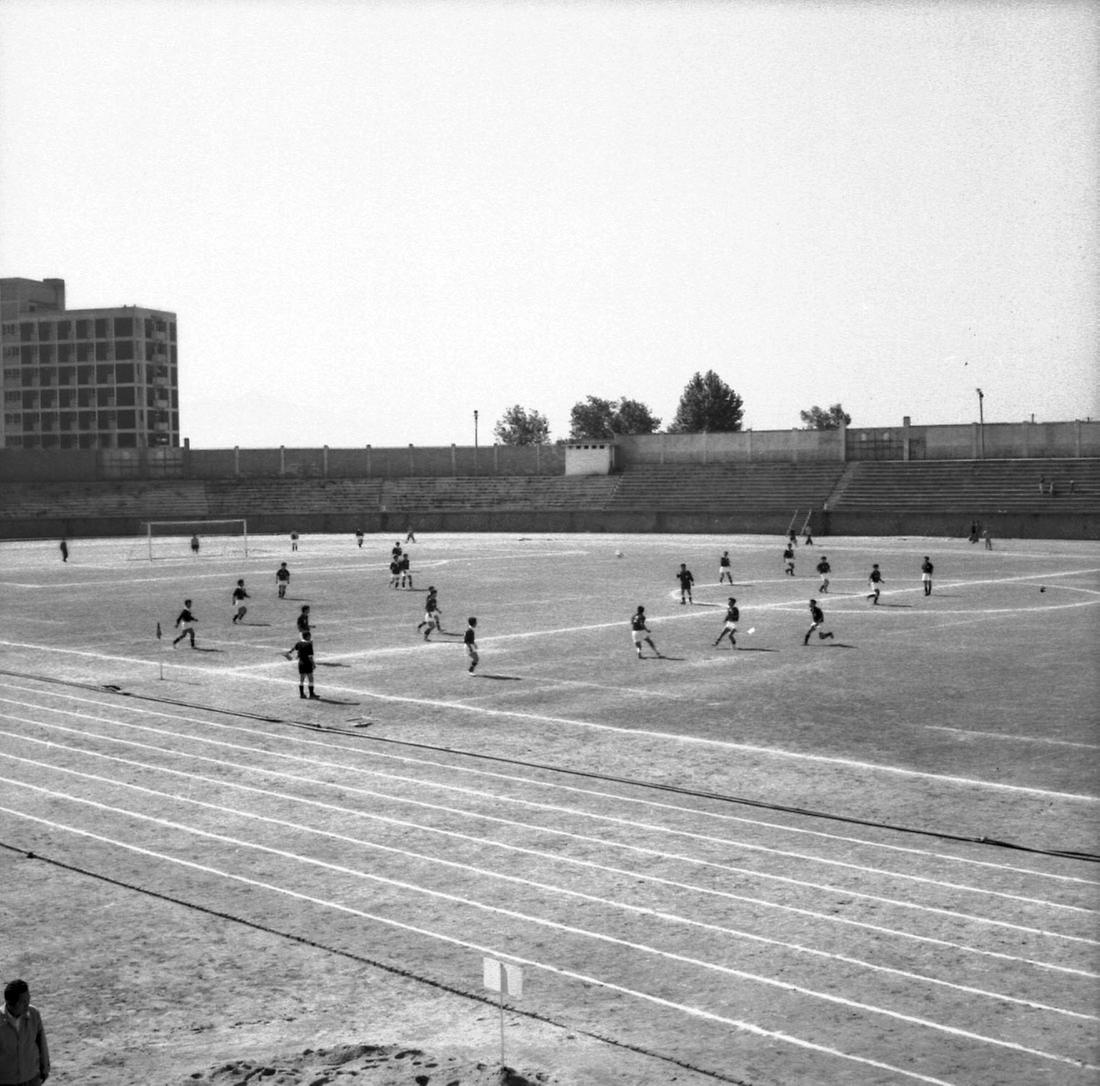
[135, 990]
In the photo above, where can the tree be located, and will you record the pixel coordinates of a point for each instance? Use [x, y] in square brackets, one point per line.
[518, 426]
[596, 419]
[818, 419]
[708, 404]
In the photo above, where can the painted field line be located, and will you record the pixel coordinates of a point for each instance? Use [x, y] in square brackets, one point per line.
[543, 718]
[565, 929]
[1004, 736]
[555, 857]
[488, 873]
[695, 1012]
[762, 876]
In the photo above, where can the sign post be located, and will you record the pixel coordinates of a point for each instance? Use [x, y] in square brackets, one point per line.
[504, 979]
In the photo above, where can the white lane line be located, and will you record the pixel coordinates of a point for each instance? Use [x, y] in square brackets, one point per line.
[695, 1012]
[554, 857]
[511, 823]
[1005, 737]
[566, 929]
[694, 740]
[487, 873]
[421, 760]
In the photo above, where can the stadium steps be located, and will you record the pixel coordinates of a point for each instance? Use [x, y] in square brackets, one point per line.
[469, 493]
[735, 488]
[970, 485]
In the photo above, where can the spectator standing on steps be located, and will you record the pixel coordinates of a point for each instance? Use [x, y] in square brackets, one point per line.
[24, 1053]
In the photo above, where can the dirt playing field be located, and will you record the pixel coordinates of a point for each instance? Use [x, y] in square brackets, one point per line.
[872, 859]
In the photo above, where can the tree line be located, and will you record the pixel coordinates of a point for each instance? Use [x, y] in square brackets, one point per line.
[707, 405]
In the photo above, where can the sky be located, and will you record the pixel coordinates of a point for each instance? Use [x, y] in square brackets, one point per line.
[375, 218]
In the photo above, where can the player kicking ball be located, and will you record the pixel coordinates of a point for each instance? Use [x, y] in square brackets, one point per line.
[817, 617]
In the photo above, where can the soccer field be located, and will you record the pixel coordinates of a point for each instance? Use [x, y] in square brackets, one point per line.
[871, 859]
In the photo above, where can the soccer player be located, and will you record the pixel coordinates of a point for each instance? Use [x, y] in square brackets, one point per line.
[469, 639]
[410, 535]
[185, 623]
[724, 571]
[817, 617]
[64, 550]
[686, 579]
[824, 569]
[807, 532]
[195, 545]
[304, 649]
[303, 620]
[792, 537]
[293, 541]
[239, 596]
[733, 616]
[788, 560]
[641, 632]
[874, 579]
[359, 537]
[282, 579]
[926, 575]
[432, 614]
[395, 572]
[406, 572]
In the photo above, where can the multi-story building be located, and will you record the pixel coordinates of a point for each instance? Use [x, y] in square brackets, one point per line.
[84, 378]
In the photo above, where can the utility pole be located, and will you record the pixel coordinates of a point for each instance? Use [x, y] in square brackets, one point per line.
[981, 425]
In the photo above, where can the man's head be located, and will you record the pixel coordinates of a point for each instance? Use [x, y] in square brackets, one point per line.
[17, 997]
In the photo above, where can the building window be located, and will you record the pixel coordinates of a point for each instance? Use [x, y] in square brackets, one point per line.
[101, 328]
[124, 327]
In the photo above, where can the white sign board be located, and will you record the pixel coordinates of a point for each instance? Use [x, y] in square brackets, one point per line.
[504, 978]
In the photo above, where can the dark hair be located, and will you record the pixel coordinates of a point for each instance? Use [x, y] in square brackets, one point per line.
[14, 989]
[472, 621]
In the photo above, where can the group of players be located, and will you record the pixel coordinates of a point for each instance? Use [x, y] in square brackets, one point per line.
[640, 632]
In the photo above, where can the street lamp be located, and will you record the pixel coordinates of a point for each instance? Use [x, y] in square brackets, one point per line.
[981, 424]
[475, 441]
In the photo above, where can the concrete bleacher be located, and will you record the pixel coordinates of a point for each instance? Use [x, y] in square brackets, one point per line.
[979, 486]
[737, 488]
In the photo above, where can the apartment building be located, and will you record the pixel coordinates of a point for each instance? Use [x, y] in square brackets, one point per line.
[84, 378]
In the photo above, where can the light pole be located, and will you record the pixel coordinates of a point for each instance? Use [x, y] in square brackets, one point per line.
[475, 441]
[981, 425]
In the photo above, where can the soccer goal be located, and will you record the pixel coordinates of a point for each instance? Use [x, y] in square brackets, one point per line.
[177, 538]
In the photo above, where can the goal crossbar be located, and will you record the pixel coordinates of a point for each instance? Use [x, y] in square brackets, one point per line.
[236, 527]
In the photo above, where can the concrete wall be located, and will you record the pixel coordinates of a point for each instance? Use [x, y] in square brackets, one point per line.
[1021, 440]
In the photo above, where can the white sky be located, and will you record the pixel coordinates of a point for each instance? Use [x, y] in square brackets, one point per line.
[374, 218]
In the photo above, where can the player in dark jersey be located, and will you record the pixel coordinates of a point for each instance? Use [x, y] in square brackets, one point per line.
[432, 614]
[239, 596]
[725, 573]
[185, 623]
[406, 572]
[686, 579]
[875, 581]
[926, 568]
[788, 560]
[304, 650]
[824, 569]
[469, 639]
[733, 616]
[303, 621]
[395, 572]
[282, 579]
[359, 537]
[817, 617]
[641, 633]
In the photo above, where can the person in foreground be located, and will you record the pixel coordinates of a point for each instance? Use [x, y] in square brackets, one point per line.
[24, 1054]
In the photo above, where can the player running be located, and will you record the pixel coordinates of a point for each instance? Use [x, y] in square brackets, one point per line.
[875, 581]
[432, 614]
[817, 617]
[641, 633]
[185, 623]
[733, 616]
[239, 596]
[823, 570]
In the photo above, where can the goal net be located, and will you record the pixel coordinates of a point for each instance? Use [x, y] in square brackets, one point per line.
[195, 538]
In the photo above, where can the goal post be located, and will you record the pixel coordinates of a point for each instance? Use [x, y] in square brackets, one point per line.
[176, 538]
